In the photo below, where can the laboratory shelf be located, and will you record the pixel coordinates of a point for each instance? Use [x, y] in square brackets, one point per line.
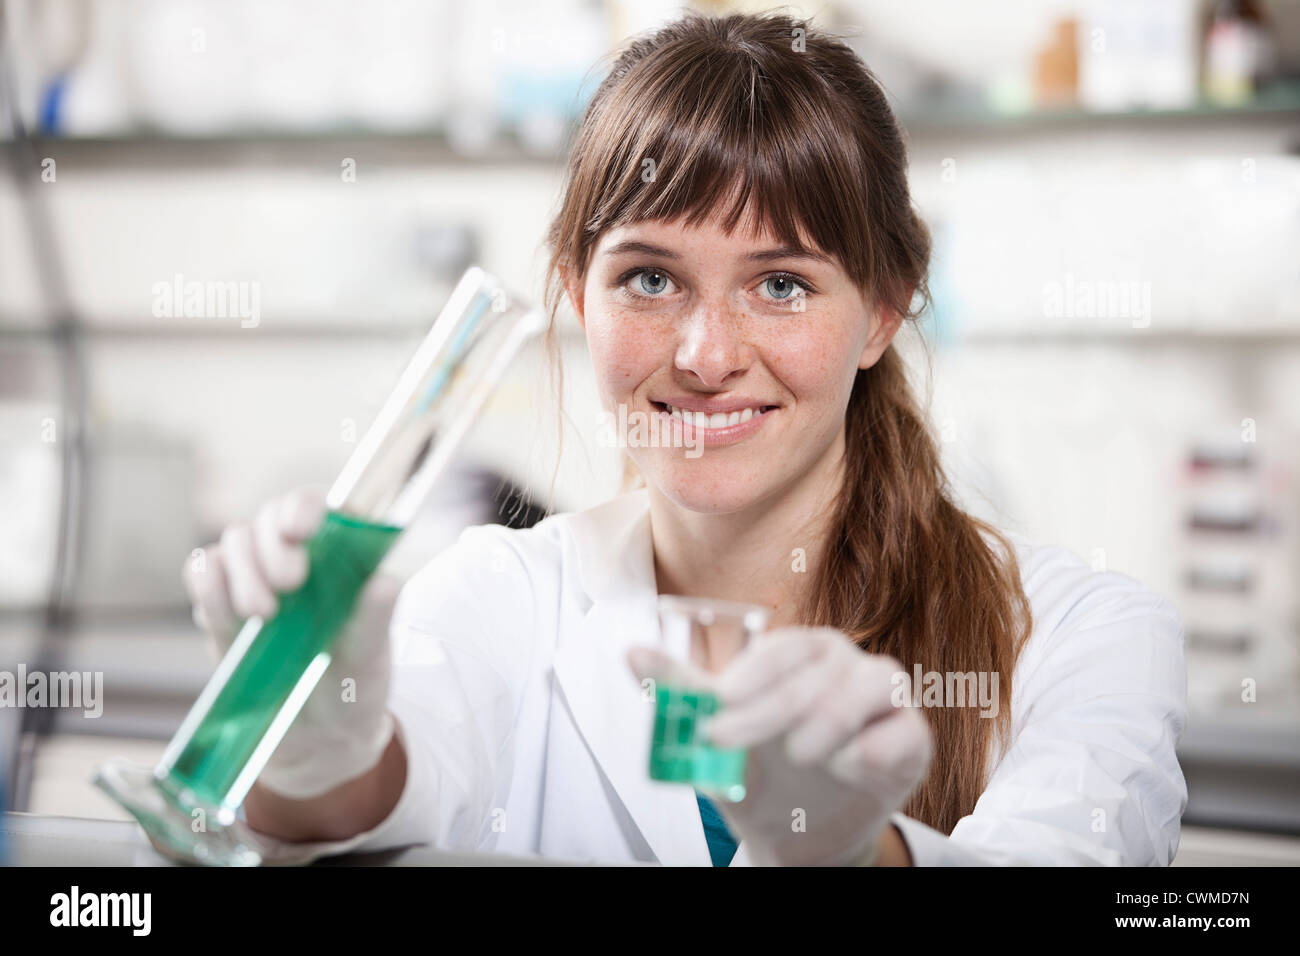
[433, 145]
[151, 149]
[1279, 103]
[1258, 737]
[1243, 769]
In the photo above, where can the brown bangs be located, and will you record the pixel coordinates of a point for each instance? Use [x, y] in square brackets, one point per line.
[694, 134]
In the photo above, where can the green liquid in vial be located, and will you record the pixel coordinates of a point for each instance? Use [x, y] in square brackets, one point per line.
[342, 555]
[676, 756]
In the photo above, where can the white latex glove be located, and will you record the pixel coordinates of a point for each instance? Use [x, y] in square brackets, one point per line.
[831, 756]
[333, 739]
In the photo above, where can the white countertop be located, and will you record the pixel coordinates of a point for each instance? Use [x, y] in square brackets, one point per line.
[40, 840]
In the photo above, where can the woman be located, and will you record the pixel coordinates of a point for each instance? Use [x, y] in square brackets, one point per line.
[737, 239]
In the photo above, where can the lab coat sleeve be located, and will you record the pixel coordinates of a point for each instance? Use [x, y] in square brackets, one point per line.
[460, 640]
[1091, 777]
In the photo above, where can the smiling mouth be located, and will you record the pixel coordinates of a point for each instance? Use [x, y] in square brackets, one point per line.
[715, 420]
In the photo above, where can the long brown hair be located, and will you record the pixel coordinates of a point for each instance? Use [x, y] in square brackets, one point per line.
[768, 108]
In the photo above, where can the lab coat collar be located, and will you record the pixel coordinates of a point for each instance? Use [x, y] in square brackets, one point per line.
[614, 555]
[615, 714]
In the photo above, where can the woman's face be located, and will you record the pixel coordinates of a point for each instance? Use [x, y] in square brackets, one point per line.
[730, 359]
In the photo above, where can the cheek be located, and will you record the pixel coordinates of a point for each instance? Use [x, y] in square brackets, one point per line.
[817, 362]
[624, 350]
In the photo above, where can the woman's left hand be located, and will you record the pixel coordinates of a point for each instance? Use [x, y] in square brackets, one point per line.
[831, 755]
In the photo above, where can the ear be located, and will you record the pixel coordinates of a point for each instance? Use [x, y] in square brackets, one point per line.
[885, 323]
[574, 289]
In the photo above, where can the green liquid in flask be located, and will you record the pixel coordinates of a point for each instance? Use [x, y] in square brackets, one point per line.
[342, 555]
[677, 756]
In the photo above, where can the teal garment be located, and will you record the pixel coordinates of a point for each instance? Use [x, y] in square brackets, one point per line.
[722, 845]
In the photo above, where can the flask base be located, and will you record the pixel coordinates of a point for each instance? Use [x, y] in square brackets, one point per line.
[169, 821]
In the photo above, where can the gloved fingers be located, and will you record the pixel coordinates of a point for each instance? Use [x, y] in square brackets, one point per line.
[283, 558]
[301, 512]
[862, 695]
[895, 749]
[249, 592]
[767, 659]
[205, 582]
[778, 706]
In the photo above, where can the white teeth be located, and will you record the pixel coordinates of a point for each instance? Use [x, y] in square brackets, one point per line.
[716, 420]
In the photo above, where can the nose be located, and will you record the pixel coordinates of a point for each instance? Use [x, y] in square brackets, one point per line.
[712, 345]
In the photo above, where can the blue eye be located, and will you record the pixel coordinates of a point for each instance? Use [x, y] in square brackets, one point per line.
[652, 288]
[783, 287]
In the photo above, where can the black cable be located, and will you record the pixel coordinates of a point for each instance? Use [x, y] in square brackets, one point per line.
[67, 337]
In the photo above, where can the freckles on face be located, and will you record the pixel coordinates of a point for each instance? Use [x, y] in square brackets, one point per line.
[801, 355]
[625, 349]
[710, 328]
[813, 356]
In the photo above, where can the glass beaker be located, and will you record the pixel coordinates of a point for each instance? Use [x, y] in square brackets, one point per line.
[700, 636]
[188, 803]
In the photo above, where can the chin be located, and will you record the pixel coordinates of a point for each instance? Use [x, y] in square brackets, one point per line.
[722, 489]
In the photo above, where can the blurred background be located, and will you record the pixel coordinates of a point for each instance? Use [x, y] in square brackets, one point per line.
[1111, 361]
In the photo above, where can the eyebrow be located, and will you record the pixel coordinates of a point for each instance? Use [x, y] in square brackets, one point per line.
[764, 255]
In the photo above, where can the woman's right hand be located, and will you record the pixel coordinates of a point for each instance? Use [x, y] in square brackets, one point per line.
[344, 727]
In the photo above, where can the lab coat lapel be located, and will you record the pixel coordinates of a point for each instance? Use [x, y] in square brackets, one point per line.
[608, 704]
[616, 720]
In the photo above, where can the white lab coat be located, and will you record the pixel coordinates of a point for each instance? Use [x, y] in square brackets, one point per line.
[527, 734]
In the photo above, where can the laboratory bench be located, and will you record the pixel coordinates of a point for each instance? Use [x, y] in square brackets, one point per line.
[42, 840]
[33, 839]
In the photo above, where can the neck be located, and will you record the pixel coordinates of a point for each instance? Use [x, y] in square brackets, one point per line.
[764, 554]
